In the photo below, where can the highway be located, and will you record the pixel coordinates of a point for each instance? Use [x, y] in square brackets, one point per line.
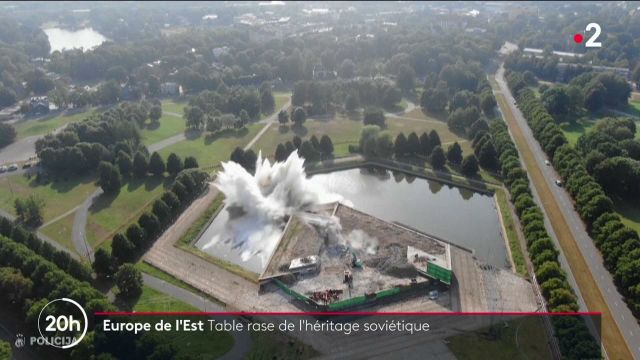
[624, 320]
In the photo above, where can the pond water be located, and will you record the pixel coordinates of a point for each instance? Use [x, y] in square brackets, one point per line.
[61, 39]
[457, 215]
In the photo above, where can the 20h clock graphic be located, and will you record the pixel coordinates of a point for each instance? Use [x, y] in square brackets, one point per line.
[62, 323]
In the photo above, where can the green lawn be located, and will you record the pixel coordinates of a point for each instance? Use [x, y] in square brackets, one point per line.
[502, 343]
[152, 300]
[281, 98]
[629, 212]
[345, 131]
[110, 214]
[209, 149]
[200, 345]
[173, 106]
[49, 123]
[61, 231]
[169, 126]
[574, 131]
[59, 196]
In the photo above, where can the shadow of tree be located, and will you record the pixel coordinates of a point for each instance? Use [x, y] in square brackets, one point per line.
[283, 129]
[299, 130]
[192, 134]
[226, 134]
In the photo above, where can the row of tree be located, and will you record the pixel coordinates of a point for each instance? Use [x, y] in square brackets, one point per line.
[311, 150]
[619, 245]
[139, 236]
[573, 335]
[60, 258]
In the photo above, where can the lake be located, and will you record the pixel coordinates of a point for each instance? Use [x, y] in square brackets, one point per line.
[455, 214]
[61, 39]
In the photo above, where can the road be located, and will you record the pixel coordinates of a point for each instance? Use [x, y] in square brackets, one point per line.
[624, 320]
[268, 121]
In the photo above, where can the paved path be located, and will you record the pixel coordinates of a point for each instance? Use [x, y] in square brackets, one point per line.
[268, 121]
[624, 320]
[166, 142]
[20, 150]
[78, 233]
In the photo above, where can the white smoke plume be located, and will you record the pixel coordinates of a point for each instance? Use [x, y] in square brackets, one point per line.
[265, 199]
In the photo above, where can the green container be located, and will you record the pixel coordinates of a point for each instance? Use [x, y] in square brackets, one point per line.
[439, 273]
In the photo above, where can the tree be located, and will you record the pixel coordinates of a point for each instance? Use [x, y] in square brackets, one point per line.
[469, 166]
[487, 103]
[352, 102]
[347, 69]
[267, 102]
[434, 139]
[5, 350]
[244, 118]
[156, 164]
[237, 155]
[549, 270]
[108, 93]
[413, 144]
[190, 162]
[129, 281]
[140, 164]
[7, 97]
[406, 78]
[384, 145]
[7, 134]
[14, 286]
[488, 156]
[454, 153]
[281, 153]
[437, 159]
[174, 164]
[29, 210]
[283, 117]
[161, 211]
[150, 224]
[194, 117]
[308, 152]
[122, 249]
[400, 145]
[125, 164]
[368, 140]
[556, 101]
[249, 160]
[109, 178]
[103, 263]
[299, 116]
[326, 146]
[155, 113]
[374, 116]
[136, 235]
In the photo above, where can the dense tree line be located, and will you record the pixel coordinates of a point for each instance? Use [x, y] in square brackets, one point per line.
[574, 338]
[619, 245]
[311, 150]
[81, 146]
[139, 236]
[228, 108]
[61, 259]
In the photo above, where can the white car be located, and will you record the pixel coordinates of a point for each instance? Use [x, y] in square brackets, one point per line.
[559, 182]
[547, 162]
[13, 167]
[433, 294]
[3, 169]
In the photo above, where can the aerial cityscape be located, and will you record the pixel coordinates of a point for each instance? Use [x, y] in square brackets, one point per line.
[331, 180]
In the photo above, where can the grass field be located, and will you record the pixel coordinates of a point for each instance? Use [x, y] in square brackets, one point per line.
[523, 339]
[169, 126]
[61, 231]
[210, 150]
[345, 131]
[512, 236]
[574, 131]
[110, 214]
[47, 124]
[611, 336]
[174, 106]
[152, 300]
[59, 196]
[629, 212]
